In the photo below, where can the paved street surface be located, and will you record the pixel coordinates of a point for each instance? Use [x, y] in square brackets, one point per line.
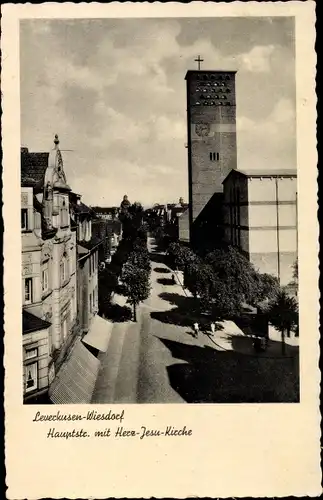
[158, 360]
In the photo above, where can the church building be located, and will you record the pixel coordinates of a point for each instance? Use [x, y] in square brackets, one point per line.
[212, 150]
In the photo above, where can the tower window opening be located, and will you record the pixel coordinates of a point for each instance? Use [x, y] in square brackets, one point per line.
[214, 156]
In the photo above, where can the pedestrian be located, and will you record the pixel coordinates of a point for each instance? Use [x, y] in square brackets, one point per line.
[196, 329]
[173, 279]
[212, 328]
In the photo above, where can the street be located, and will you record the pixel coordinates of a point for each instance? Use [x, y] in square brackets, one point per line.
[158, 360]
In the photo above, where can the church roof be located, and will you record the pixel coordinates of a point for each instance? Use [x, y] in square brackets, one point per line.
[263, 173]
[31, 323]
[210, 71]
[33, 168]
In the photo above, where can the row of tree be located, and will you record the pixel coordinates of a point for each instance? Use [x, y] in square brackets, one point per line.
[225, 282]
[129, 270]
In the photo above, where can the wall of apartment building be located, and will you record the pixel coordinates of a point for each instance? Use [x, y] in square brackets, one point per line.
[36, 340]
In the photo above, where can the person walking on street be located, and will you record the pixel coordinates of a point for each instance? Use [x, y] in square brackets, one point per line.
[212, 328]
[173, 279]
[196, 329]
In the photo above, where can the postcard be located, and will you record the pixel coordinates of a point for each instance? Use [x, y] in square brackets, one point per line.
[161, 290]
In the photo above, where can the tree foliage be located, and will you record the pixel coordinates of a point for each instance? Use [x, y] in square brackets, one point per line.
[224, 279]
[139, 257]
[283, 314]
[180, 256]
[137, 284]
[107, 283]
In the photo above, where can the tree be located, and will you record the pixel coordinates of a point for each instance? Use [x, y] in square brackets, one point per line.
[283, 315]
[107, 284]
[266, 290]
[199, 279]
[179, 256]
[140, 257]
[131, 219]
[294, 282]
[137, 285]
[243, 282]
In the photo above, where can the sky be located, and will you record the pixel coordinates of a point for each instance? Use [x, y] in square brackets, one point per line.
[114, 92]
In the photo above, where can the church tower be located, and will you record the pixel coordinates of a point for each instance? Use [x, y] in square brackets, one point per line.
[212, 150]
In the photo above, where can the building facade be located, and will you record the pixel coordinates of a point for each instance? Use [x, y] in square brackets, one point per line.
[48, 260]
[260, 218]
[87, 262]
[211, 146]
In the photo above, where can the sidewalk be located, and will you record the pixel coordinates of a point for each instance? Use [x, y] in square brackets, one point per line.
[116, 381]
[229, 337]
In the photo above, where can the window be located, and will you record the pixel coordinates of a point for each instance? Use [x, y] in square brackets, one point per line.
[31, 353]
[214, 156]
[31, 375]
[45, 280]
[63, 270]
[24, 219]
[64, 213]
[90, 303]
[64, 328]
[28, 290]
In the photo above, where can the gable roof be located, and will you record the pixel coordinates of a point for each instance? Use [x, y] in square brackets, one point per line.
[253, 173]
[31, 323]
[33, 168]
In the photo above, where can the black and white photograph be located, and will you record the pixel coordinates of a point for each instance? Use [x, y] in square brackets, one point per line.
[159, 210]
[160, 250]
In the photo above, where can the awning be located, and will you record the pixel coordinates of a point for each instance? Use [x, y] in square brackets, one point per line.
[99, 334]
[76, 379]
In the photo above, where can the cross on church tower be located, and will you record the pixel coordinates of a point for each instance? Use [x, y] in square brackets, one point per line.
[199, 60]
